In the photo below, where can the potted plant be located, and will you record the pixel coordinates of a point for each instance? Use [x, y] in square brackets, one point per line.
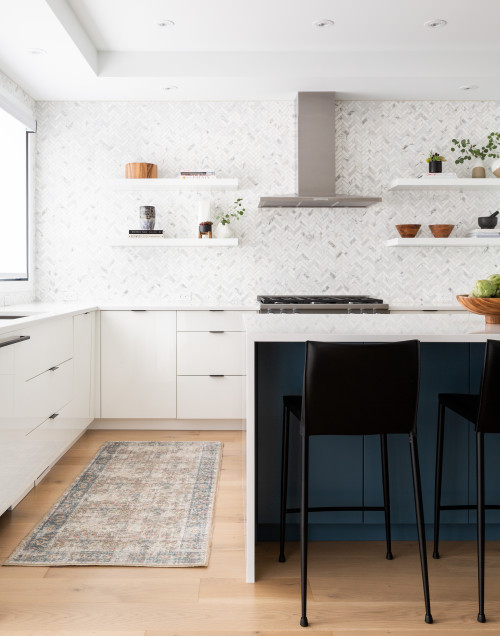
[205, 228]
[435, 161]
[225, 218]
[469, 151]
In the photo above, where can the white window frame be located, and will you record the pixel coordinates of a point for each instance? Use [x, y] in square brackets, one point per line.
[22, 114]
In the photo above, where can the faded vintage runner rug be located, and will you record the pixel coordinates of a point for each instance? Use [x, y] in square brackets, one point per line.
[145, 504]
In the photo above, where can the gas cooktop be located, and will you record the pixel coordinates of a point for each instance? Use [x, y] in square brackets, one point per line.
[322, 304]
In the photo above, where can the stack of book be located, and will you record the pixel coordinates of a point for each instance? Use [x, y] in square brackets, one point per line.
[437, 175]
[145, 233]
[483, 234]
[197, 174]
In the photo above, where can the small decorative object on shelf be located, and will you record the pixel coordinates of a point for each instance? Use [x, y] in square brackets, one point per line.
[197, 174]
[469, 151]
[205, 229]
[408, 230]
[141, 171]
[495, 168]
[224, 218]
[434, 175]
[147, 217]
[435, 161]
[441, 230]
[488, 222]
[145, 234]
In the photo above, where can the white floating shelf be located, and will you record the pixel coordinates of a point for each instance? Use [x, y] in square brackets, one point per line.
[175, 242]
[442, 242]
[441, 183]
[173, 184]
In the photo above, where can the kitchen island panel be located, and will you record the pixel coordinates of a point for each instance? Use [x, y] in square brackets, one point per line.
[347, 470]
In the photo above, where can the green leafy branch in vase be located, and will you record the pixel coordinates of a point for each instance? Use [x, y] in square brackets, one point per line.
[235, 212]
[468, 150]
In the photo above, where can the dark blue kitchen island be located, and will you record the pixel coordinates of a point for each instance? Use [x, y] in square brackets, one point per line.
[346, 471]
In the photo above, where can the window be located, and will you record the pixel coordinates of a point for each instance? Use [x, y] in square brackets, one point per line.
[13, 198]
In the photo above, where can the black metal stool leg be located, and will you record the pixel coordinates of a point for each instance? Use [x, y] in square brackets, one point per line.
[387, 500]
[419, 509]
[480, 523]
[304, 518]
[438, 479]
[284, 480]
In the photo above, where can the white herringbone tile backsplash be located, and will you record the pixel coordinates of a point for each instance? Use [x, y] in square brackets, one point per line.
[80, 145]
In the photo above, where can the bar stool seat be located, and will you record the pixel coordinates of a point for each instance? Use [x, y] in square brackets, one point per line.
[332, 404]
[465, 405]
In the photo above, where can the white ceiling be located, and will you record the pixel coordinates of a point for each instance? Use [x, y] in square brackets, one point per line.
[264, 49]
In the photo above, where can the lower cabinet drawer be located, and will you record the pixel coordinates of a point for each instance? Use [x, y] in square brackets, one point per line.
[46, 393]
[203, 353]
[205, 397]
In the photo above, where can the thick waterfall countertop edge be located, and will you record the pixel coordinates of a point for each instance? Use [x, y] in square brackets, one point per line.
[457, 327]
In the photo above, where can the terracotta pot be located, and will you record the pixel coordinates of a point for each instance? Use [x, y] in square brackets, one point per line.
[478, 171]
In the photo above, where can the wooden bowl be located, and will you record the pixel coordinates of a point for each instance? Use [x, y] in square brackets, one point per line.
[441, 231]
[410, 230]
[487, 307]
[141, 171]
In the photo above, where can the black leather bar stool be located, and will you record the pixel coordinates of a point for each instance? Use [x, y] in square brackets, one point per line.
[330, 405]
[482, 411]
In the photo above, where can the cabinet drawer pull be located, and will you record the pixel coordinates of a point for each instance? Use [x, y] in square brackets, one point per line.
[136, 310]
[216, 375]
[216, 310]
[216, 332]
[53, 416]
[10, 341]
[53, 368]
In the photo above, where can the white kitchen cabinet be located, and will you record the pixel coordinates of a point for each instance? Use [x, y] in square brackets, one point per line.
[138, 364]
[44, 394]
[50, 343]
[210, 320]
[205, 397]
[83, 365]
[38, 379]
[210, 365]
[206, 353]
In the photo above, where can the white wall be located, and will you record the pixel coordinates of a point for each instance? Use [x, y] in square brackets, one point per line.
[80, 145]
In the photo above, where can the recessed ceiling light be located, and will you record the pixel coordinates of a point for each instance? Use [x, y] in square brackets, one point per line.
[468, 87]
[165, 23]
[323, 23]
[170, 88]
[435, 24]
[37, 51]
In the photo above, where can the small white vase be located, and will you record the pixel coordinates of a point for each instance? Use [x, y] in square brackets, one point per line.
[495, 168]
[224, 231]
[478, 171]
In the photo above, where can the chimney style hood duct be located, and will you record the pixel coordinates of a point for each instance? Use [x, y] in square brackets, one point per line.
[316, 159]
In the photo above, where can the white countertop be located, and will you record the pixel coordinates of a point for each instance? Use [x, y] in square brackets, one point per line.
[430, 327]
[38, 312]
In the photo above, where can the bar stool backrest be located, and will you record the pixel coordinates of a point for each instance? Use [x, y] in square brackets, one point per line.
[488, 420]
[360, 389]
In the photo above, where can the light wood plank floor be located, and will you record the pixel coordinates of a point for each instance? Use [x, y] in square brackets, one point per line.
[353, 590]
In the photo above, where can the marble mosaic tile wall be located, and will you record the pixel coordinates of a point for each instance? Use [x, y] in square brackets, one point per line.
[80, 145]
[9, 86]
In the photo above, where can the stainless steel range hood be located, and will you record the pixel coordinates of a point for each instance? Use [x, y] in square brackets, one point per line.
[316, 159]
